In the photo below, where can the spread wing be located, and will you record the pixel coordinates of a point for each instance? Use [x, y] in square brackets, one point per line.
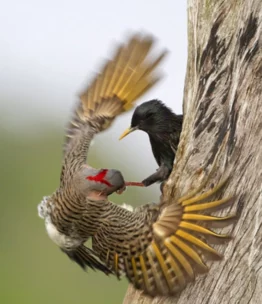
[121, 82]
[180, 245]
[161, 256]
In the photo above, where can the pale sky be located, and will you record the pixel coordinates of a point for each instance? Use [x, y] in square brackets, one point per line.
[50, 49]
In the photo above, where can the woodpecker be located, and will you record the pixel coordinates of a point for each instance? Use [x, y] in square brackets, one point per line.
[77, 209]
[163, 128]
[158, 247]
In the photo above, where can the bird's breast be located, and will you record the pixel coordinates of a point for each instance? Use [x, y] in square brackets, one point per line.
[60, 239]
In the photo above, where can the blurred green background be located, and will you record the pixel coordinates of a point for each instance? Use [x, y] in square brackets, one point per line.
[33, 270]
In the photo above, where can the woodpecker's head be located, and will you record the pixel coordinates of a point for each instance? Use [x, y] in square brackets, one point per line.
[152, 117]
[102, 182]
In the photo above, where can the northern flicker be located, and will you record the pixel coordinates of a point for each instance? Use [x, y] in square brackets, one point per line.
[163, 128]
[158, 247]
[76, 210]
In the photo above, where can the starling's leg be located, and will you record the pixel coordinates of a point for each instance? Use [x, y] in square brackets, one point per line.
[160, 175]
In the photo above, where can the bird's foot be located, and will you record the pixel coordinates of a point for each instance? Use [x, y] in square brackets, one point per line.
[147, 181]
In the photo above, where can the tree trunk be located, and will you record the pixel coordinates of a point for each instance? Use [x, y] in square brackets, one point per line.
[223, 118]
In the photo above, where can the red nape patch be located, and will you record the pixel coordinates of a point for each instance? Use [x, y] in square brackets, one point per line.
[100, 178]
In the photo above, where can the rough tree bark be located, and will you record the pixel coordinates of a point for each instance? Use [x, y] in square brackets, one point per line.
[223, 101]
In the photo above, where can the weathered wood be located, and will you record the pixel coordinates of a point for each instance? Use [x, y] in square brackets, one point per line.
[223, 101]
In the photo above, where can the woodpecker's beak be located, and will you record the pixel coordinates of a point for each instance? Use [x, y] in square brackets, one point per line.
[127, 131]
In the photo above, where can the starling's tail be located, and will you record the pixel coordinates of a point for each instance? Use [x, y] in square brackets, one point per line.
[123, 80]
[179, 246]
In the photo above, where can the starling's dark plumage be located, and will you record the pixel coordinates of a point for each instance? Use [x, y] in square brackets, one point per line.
[163, 128]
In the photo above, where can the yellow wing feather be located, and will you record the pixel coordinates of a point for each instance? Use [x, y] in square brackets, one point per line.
[178, 250]
[122, 80]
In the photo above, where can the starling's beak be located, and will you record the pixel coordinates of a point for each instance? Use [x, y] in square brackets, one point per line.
[127, 131]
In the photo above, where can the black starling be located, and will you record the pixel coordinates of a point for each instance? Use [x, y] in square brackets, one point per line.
[163, 128]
